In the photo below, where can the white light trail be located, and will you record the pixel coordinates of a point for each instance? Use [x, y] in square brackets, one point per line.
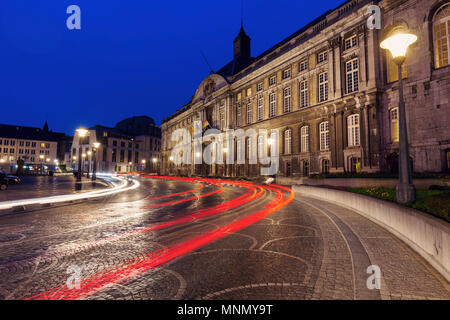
[121, 187]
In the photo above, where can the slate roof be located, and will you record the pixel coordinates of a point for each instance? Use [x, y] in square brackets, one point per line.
[25, 133]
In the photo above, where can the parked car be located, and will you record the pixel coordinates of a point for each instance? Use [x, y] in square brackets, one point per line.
[13, 179]
[3, 181]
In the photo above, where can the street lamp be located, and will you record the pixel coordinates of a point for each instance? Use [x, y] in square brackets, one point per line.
[397, 43]
[94, 169]
[42, 163]
[143, 165]
[82, 132]
[89, 153]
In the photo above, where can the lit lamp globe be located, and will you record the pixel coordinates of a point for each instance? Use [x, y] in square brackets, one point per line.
[82, 132]
[96, 145]
[397, 43]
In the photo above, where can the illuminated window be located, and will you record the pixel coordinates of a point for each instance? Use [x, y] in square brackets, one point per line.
[304, 139]
[249, 92]
[260, 111]
[249, 113]
[304, 97]
[323, 87]
[272, 105]
[324, 131]
[287, 99]
[441, 36]
[393, 69]
[394, 125]
[288, 141]
[353, 130]
[352, 76]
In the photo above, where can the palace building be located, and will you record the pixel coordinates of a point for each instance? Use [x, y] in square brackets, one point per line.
[332, 94]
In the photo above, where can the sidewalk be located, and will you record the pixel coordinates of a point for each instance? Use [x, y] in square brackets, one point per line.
[45, 186]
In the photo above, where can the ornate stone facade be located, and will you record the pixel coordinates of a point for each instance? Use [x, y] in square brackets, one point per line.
[330, 92]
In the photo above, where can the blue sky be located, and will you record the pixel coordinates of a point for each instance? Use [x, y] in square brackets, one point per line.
[136, 57]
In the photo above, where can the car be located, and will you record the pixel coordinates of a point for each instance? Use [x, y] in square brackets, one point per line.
[13, 179]
[3, 181]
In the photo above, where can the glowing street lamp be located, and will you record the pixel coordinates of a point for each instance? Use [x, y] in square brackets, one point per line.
[82, 132]
[397, 43]
[94, 169]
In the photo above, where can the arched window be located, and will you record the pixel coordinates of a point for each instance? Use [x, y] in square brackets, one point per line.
[353, 130]
[441, 36]
[287, 141]
[304, 139]
[324, 131]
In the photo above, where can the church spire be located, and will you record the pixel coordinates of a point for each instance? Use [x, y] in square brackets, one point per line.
[242, 42]
[45, 129]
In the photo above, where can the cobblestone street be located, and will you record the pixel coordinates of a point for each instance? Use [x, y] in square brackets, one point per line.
[206, 239]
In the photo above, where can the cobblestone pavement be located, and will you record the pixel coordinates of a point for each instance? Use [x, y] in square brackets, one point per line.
[45, 186]
[128, 247]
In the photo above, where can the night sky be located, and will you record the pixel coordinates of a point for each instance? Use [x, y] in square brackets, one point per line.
[131, 57]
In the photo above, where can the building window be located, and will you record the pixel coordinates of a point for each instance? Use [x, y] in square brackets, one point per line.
[21, 143]
[325, 166]
[42, 145]
[33, 144]
[287, 99]
[350, 42]
[353, 130]
[324, 131]
[259, 87]
[239, 116]
[441, 36]
[272, 80]
[304, 139]
[288, 141]
[238, 97]
[260, 111]
[394, 125]
[287, 73]
[122, 155]
[303, 66]
[13, 142]
[249, 148]
[393, 69]
[273, 105]
[249, 113]
[323, 87]
[355, 165]
[249, 92]
[304, 97]
[351, 71]
[322, 56]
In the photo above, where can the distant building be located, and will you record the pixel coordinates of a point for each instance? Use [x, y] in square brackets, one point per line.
[38, 148]
[134, 144]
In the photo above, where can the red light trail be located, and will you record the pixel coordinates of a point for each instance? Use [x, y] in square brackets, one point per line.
[134, 267]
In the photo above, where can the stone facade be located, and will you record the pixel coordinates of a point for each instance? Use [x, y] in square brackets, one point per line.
[332, 78]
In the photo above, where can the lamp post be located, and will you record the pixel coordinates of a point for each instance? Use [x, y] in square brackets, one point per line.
[74, 159]
[81, 134]
[89, 153]
[94, 169]
[83, 160]
[42, 163]
[143, 165]
[170, 164]
[397, 43]
[155, 165]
